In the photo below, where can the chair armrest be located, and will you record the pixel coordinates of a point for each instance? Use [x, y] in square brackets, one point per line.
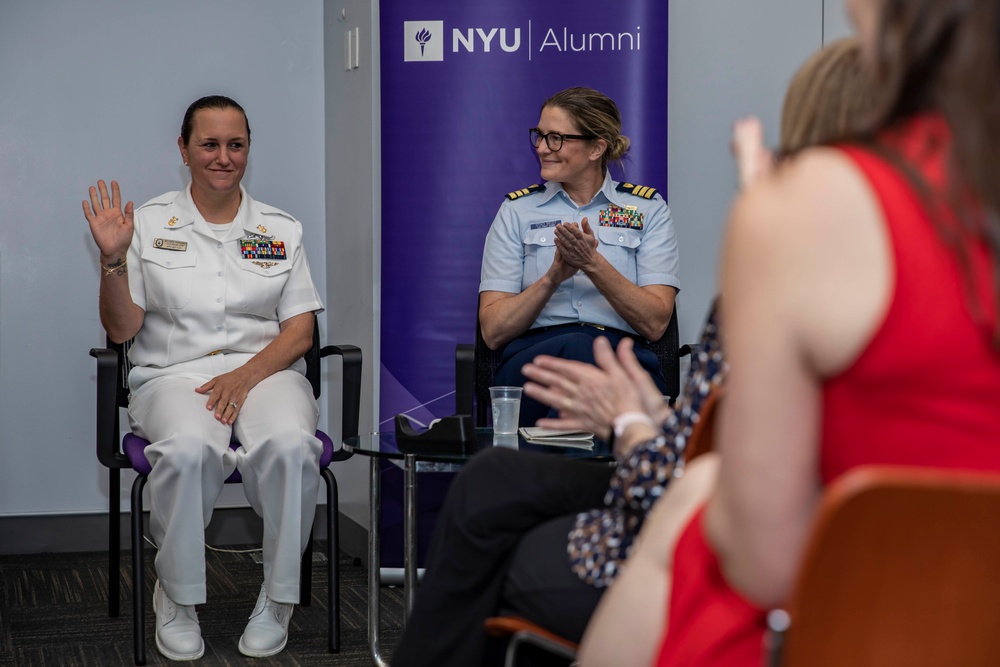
[351, 388]
[465, 377]
[524, 631]
[689, 349]
[108, 435]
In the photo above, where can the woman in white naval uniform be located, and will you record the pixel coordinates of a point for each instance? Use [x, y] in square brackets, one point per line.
[215, 288]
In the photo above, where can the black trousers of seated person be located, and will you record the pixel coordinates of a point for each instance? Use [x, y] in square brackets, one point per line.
[500, 545]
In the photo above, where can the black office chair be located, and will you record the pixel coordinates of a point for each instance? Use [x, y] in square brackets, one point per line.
[117, 453]
[476, 366]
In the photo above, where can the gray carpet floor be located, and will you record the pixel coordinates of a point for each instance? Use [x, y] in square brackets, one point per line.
[54, 612]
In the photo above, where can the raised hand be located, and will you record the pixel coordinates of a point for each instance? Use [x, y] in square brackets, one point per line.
[109, 224]
[753, 159]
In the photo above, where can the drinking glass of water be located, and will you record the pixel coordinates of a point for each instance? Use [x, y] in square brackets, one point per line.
[506, 408]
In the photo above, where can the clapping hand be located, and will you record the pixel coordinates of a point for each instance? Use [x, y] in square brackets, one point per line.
[110, 226]
[590, 397]
[559, 270]
[576, 244]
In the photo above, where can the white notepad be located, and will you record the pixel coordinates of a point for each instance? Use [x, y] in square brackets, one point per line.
[563, 438]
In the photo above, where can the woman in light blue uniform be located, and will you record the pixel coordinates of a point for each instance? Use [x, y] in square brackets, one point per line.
[580, 256]
[216, 291]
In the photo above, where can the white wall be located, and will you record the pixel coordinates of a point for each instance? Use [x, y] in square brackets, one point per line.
[354, 202]
[728, 59]
[94, 90]
[835, 22]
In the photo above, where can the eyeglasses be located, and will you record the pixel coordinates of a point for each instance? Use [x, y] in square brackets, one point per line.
[554, 140]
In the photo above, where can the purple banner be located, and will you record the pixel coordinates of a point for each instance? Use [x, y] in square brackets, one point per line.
[462, 82]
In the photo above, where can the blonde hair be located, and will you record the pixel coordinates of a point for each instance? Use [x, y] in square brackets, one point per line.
[597, 114]
[829, 97]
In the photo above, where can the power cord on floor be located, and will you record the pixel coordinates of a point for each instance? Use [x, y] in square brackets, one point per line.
[217, 549]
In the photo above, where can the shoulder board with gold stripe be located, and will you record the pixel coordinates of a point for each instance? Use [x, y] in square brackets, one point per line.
[643, 191]
[531, 189]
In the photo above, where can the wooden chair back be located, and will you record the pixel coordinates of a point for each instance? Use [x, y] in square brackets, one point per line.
[901, 569]
[702, 438]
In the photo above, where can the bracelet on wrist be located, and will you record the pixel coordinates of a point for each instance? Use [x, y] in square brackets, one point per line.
[114, 268]
[626, 419]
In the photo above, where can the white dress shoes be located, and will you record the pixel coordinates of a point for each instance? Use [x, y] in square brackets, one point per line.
[267, 631]
[178, 635]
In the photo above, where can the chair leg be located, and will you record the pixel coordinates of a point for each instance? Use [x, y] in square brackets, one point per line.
[138, 574]
[510, 657]
[305, 573]
[778, 622]
[332, 559]
[114, 541]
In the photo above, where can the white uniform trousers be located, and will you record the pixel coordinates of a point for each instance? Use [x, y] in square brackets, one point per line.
[190, 457]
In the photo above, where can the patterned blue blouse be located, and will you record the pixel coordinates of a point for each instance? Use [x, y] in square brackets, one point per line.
[602, 538]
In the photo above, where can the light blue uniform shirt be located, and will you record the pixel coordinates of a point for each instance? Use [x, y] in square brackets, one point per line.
[520, 247]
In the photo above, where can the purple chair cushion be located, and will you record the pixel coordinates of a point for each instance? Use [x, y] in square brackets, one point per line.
[134, 448]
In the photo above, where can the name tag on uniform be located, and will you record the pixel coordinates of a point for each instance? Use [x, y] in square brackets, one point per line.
[257, 248]
[543, 225]
[170, 244]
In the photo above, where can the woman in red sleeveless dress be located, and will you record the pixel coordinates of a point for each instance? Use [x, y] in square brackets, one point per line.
[846, 276]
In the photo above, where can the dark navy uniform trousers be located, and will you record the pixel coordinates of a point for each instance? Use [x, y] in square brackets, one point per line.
[565, 342]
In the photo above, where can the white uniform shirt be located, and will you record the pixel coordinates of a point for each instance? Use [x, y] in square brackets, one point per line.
[208, 308]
